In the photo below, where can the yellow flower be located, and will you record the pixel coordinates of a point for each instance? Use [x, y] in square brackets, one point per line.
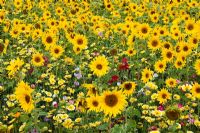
[147, 75]
[14, 66]
[196, 90]
[56, 51]
[113, 102]
[128, 87]
[163, 96]
[99, 66]
[37, 59]
[93, 103]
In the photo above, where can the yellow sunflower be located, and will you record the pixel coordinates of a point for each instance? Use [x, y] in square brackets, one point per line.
[170, 82]
[144, 30]
[23, 95]
[163, 96]
[196, 90]
[147, 75]
[37, 59]
[197, 66]
[93, 103]
[80, 40]
[130, 51]
[113, 102]
[99, 66]
[154, 43]
[128, 87]
[160, 66]
[48, 40]
[56, 51]
[14, 66]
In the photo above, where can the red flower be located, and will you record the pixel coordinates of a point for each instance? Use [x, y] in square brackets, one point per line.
[124, 65]
[114, 78]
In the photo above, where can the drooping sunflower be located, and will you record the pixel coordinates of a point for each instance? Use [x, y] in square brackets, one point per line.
[163, 96]
[113, 102]
[128, 87]
[80, 40]
[147, 75]
[99, 66]
[160, 66]
[91, 89]
[197, 66]
[14, 66]
[93, 103]
[37, 59]
[23, 95]
[196, 90]
[56, 51]
[172, 112]
[170, 82]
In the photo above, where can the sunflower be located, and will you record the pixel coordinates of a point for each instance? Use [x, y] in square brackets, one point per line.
[91, 89]
[144, 30]
[14, 66]
[167, 45]
[154, 43]
[99, 66]
[172, 113]
[130, 51]
[160, 66]
[197, 66]
[163, 96]
[93, 103]
[147, 75]
[23, 95]
[170, 82]
[48, 40]
[56, 51]
[37, 59]
[193, 40]
[191, 27]
[77, 49]
[113, 102]
[128, 87]
[196, 90]
[168, 55]
[80, 40]
[179, 64]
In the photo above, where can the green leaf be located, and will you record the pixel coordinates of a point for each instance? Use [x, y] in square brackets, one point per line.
[15, 110]
[24, 118]
[42, 113]
[131, 125]
[117, 129]
[131, 111]
[103, 126]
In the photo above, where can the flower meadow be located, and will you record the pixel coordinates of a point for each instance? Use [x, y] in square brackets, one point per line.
[102, 66]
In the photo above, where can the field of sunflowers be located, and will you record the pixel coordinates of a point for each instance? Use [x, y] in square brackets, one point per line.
[100, 66]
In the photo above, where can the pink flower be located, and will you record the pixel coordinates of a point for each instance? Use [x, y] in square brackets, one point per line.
[161, 108]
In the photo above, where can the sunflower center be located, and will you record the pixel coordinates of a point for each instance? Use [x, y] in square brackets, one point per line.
[164, 96]
[197, 90]
[167, 46]
[95, 103]
[195, 41]
[169, 54]
[144, 30]
[79, 41]
[171, 82]
[179, 63]
[190, 27]
[162, 32]
[154, 43]
[130, 51]
[185, 48]
[1, 48]
[99, 66]
[111, 100]
[128, 86]
[49, 39]
[172, 114]
[161, 66]
[37, 59]
[56, 51]
[27, 98]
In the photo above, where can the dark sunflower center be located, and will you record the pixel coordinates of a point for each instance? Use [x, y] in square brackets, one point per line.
[27, 98]
[1, 48]
[113, 52]
[99, 66]
[130, 51]
[56, 51]
[178, 49]
[111, 100]
[171, 82]
[195, 41]
[161, 66]
[162, 32]
[128, 86]
[49, 39]
[95, 103]
[179, 63]
[79, 41]
[172, 114]
[167, 46]
[144, 30]
[15, 32]
[37, 59]
[190, 27]
[185, 48]
[169, 54]
[164, 96]
[147, 75]
[197, 90]
[78, 49]
[154, 43]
